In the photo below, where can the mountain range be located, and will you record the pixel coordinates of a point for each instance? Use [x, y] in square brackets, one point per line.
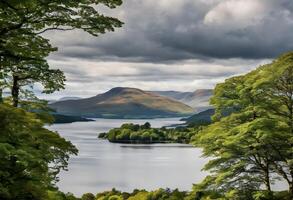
[64, 99]
[199, 99]
[124, 103]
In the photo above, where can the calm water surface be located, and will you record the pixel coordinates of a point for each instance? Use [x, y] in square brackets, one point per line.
[102, 166]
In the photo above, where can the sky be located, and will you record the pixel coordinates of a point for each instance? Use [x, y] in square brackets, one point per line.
[179, 45]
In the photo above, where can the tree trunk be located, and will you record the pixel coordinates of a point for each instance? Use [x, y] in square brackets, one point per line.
[267, 180]
[268, 186]
[1, 97]
[1, 79]
[291, 190]
[15, 91]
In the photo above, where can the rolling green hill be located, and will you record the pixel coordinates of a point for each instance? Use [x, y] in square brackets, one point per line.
[201, 118]
[205, 117]
[123, 103]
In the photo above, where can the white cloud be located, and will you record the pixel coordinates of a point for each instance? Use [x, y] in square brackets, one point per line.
[237, 13]
[87, 78]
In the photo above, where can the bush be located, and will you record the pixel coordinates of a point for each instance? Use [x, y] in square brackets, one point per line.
[88, 196]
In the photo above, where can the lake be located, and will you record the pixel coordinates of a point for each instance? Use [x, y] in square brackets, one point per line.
[101, 165]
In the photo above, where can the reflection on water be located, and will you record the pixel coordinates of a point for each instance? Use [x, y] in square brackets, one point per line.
[102, 166]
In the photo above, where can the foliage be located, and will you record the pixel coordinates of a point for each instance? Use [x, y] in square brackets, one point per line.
[57, 195]
[167, 194]
[41, 16]
[30, 155]
[160, 194]
[28, 74]
[200, 119]
[23, 21]
[134, 133]
[88, 196]
[254, 141]
[23, 47]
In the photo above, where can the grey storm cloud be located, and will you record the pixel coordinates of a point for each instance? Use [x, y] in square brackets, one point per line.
[174, 45]
[172, 30]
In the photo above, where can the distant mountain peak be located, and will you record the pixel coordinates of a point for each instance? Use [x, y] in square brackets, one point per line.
[122, 102]
[124, 89]
[199, 99]
[69, 98]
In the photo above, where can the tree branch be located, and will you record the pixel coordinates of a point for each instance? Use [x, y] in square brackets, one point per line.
[54, 28]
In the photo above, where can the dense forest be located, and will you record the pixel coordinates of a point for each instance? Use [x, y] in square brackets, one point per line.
[250, 148]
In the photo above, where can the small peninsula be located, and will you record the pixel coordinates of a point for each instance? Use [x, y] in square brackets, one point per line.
[63, 119]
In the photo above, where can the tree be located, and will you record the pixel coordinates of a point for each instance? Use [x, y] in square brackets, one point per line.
[25, 20]
[41, 16]
[88, 196]
[25, 74]
[254, 141]
[275, 91]
[146, 125]
[30, 155]
[19, 50]
[22, 22]
[238, 164]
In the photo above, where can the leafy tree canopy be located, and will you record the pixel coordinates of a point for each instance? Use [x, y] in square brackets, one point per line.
[30, 155]
[22, 46]
[253, 143]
